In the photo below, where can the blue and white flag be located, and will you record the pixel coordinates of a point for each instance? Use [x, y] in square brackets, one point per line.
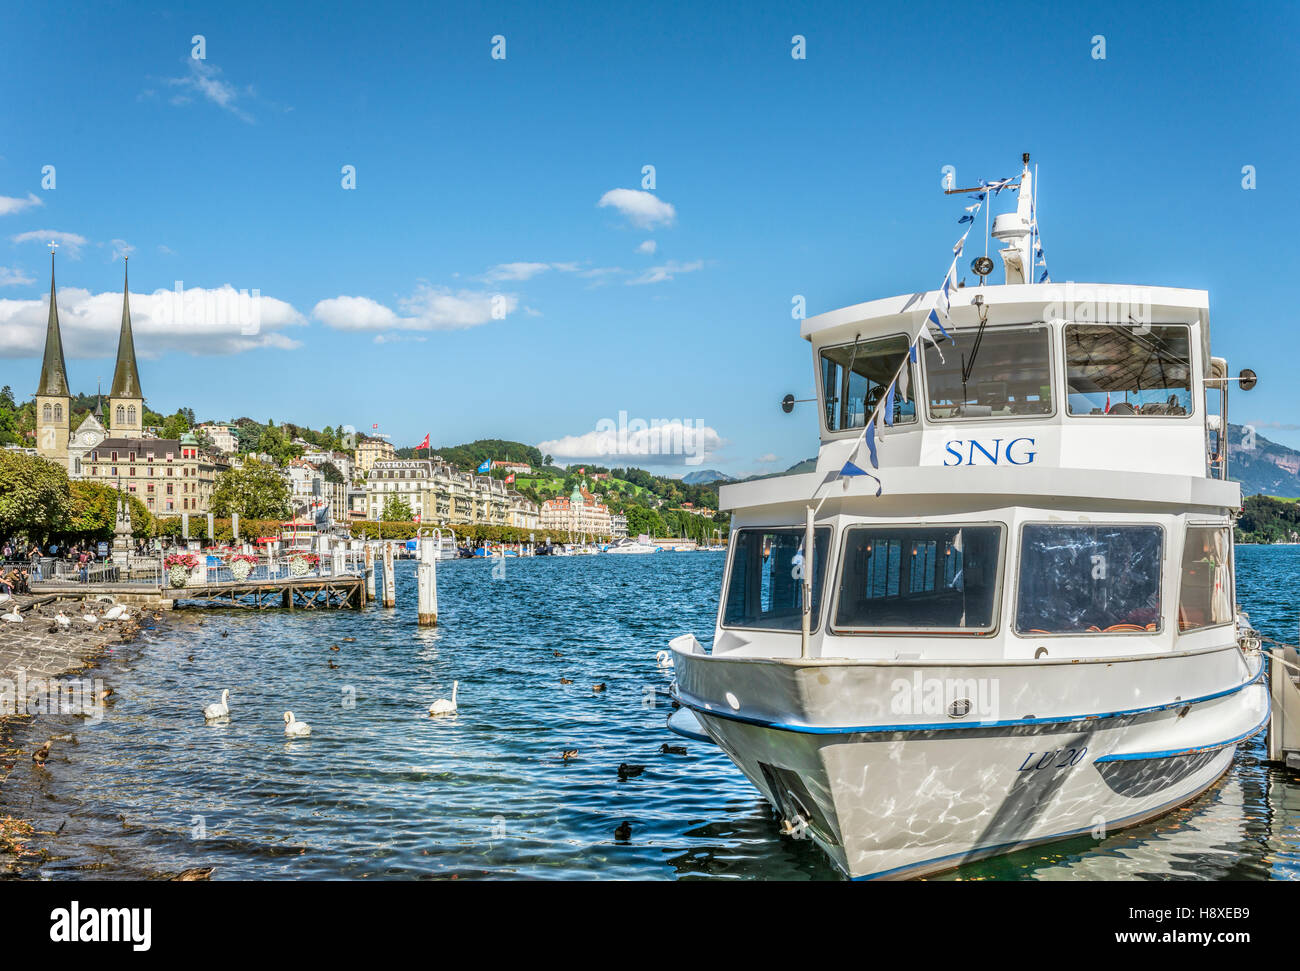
[485, 467]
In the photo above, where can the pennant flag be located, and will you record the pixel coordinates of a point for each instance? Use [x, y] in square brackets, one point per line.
[889, 406]
[968, 218]
[935, 317]
[483, 469]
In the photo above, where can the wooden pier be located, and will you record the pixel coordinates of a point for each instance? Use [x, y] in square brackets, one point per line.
[297, 593]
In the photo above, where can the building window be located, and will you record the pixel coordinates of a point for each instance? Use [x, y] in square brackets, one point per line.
[130, 415]
[58, 412]
[119, 416]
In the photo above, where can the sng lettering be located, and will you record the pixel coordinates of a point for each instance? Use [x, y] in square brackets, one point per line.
[1017, 451]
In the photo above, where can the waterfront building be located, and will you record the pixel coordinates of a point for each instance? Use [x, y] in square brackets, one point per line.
[372, 450]
[170, 476]
[523, 513]
[580, 514]
[519, 468]
[222, 436]
[617, 525]
[437, 492]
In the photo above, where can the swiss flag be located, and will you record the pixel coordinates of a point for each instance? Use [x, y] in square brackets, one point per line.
[510, 478]
[375, 425]
[425, 443]
[582, 471]
[417, 517]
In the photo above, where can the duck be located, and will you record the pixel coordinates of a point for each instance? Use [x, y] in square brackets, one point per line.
[194, 873]
[294, 728]
[556, 654]
[623, 832]
[333, 666]
[221, 709]
[667, 749]
[13, 617]
[598, 687]
[568, 753]
[42, 753]
[348, 640]
[444, 707]
[566, 681]
[62, 619]
[627, 770]
[106, 694]
[225, 633]
[334, 647]
[665, 659]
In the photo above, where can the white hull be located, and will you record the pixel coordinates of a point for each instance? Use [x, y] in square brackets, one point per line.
[911, 794]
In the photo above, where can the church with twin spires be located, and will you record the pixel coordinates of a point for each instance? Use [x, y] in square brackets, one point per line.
[170, 476]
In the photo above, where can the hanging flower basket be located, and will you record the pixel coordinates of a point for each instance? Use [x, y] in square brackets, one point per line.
[301, 563]
[241, 565]
[179, 567]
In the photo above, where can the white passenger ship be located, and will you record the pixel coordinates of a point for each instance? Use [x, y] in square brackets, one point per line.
[1021, 623]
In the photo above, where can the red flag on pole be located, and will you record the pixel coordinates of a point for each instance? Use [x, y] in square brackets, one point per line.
[582, 471]
[425, 443]
[510, 478]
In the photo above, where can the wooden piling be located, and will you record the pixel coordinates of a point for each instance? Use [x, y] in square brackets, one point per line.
[390, 583]
[426, 574]
[370, 572]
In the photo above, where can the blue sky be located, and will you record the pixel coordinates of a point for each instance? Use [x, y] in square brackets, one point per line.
[818, 177]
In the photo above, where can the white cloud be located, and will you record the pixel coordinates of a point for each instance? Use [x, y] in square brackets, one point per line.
[768, 458]
[658, 274]
[121, 248]
[649, 246]
[643, 209]
[204, 81]
[429, 308]
[10, 277]
[71, 243]
[657, 442]
[515, 271]
[218, 320]
[12, 204]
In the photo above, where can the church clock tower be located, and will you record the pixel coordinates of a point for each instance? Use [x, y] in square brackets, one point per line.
[53, 400]
[125, 400]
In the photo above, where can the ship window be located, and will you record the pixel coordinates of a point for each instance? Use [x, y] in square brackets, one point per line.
[856, 376]
[904, 578]
[1128, 370]
[1084, 579]
[998, 373]
[1204, 595]
[765, 588]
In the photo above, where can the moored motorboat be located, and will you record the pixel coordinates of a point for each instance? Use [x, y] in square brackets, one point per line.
[1019, 621]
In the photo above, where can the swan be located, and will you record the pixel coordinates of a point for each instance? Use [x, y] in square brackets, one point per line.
[444, 707]
[62, 619]
[13, 617]
[665, 659]
[220, 709]
[90, 618]
[116, 612]
[295, 728]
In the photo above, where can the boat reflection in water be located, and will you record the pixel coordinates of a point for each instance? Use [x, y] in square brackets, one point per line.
[1019, 621]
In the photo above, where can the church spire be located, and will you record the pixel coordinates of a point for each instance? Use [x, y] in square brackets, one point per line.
[126, 379]
[54, 377]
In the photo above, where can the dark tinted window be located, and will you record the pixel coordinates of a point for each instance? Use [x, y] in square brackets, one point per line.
[1004, 371]
[856, 376]
[1077, 579]
[919, 577]
[766, 586]
[1118, 371]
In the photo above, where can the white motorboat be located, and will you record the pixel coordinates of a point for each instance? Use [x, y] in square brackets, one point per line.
[1019, 624]
[630, 546]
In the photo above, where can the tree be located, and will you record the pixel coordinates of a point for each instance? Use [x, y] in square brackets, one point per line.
[176, 425]
[397, 509]
[92, 511]
[33, 494]
[8, 417]
[257, 491]
[642, 520]
[331, 472]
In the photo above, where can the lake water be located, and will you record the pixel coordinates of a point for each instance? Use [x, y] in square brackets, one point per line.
[381, 790]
